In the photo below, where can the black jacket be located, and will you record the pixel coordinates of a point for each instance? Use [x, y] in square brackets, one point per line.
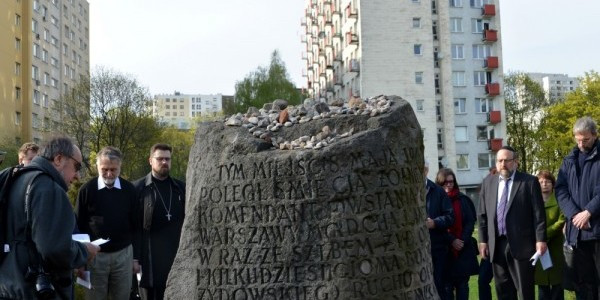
[142, 246]
[579, 191]
[439, 208]
[52, 222]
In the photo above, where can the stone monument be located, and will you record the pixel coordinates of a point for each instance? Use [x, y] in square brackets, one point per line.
[307, 202]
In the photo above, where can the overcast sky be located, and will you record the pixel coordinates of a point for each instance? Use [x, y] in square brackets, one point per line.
[205, 46]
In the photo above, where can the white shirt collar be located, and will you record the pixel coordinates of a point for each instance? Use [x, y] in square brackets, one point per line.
[101, 184]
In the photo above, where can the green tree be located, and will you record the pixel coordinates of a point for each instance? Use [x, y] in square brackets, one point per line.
[523, 99]
[265, 85]
[556, 128]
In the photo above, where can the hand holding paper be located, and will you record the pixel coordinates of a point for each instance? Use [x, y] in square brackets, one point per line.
[544, 259]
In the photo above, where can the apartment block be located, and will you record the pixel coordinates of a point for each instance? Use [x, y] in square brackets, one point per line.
[555, 86]
[180, 110]
[444, 57]
[43, 53]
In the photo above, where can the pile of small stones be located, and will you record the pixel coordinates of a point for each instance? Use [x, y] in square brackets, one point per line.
[262, 123]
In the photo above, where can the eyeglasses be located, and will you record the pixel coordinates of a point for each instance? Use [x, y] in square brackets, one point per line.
[500, 161]
[449, 181]
[165, 159]
[77, 163]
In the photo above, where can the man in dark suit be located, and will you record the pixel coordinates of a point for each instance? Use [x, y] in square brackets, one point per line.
[512, 226]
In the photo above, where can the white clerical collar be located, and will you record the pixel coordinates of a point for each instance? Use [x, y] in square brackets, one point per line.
[102, 185]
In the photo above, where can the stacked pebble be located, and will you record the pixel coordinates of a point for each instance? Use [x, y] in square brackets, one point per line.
[273, 116]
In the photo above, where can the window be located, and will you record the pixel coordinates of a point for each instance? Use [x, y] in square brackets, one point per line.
[438, 110]
[36, 5]
[167, 114]
[168, 106]
[440, 140]
[46, 35]
[34, 26]
[482, 133]
[17, 20]
[481, 51]
[455, 3]
[181, 114]
[36, 50]
[18, 43]
[460, 134]
[65, 49]
[485, 160]
[67, 70]
[419, 77]
[456, 25]
[45, 55]
[46, 78]
[17, 93]
[168, 100]
[54, 41]
[458, 79]
[478, 3]
[460, 105]
[35, 120]
[54, 21]
[479, 78]
[420, 105]
[54, 61]
[458, 51]
[417, 49]
[462, 161]
[17, 69]
[36, 97]
[34, 72]
[477, 25]
[17, 118]
[181, 106]
[45, 100]
[483, 105]
[416, 23]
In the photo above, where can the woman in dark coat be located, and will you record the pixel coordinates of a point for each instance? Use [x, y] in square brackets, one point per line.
[549, 281]
[461, 262]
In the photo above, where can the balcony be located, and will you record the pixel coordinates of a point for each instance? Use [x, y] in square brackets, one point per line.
[488, 11]
[351, 12]
[492, 89]
[494, 117]
[351, 38]
[354, 66]
[490, 35]
[491, 62]
[494, 144]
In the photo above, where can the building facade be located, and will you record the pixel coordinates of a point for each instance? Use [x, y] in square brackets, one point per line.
[555, 86]
[443, 57]
[43, 53]
[180, 110]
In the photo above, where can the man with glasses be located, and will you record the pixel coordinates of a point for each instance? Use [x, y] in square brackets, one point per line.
[40, 242]
[162, 203]
[106, 208]
[578, 194]
[512, 226]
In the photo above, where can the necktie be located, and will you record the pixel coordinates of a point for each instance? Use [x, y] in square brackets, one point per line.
[501, 212]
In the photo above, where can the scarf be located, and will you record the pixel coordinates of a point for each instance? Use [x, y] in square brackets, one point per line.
[456, 229]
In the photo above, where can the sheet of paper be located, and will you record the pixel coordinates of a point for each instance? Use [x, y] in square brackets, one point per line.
[544, 259]
[99, 242]
[81, 237]
[85, 282]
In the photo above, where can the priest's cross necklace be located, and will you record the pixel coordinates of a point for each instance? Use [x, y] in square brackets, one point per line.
[168, 210]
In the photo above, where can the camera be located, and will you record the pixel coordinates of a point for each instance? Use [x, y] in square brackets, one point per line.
[43, 287]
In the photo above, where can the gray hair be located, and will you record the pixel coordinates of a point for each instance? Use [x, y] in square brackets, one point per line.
[59, 145]
[585, 124]
[112, 153]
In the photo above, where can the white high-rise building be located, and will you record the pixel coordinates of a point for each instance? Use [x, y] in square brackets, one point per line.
[180, 110]
[555, 86]
[443, 57]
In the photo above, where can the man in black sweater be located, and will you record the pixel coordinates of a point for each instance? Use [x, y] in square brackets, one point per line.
[106, 208]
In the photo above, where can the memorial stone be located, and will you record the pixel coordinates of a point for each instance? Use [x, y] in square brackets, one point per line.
[271, 218]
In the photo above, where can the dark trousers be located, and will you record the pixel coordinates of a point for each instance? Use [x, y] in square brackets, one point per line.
[152, 293]
[551, 292]
[460, 285]
[513, 277]
[484, 280]
[586, 261]
[438, 258]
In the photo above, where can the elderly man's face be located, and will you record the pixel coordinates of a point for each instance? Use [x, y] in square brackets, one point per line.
[109, 170]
